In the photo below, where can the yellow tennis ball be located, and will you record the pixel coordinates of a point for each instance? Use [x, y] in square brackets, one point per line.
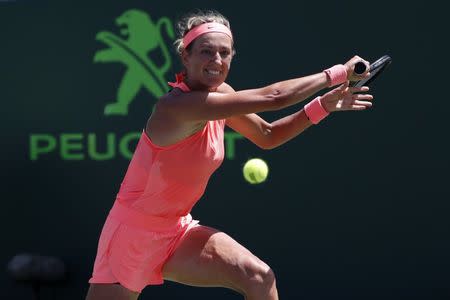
[255, 170]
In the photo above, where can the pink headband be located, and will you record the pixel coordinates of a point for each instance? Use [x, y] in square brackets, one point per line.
[205, 28]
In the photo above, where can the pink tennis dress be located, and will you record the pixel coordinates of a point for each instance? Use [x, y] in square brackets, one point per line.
[151, 213]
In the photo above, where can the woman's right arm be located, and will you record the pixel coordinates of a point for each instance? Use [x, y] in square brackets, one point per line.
[203, 105]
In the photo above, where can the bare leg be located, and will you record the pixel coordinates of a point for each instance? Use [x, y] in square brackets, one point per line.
[110, 291]
[208, 257]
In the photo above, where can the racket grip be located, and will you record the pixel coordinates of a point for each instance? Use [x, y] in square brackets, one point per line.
[360, 68]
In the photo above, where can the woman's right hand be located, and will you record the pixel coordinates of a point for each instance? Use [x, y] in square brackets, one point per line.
[350, 65]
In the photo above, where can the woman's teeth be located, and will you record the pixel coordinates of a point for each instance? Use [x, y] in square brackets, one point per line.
[213, 72]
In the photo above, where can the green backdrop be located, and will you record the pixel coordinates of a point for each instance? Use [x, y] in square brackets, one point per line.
[354, 208]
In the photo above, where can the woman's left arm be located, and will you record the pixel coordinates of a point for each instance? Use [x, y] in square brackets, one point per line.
[271, 135]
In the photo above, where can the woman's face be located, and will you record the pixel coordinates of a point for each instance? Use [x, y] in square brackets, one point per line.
[208, 62]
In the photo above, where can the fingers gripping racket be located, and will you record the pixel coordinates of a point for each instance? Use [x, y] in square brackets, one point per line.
[376, 68]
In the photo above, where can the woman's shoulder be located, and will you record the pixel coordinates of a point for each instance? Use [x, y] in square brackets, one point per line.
[225, 88]
[173, 96]
[177, 94]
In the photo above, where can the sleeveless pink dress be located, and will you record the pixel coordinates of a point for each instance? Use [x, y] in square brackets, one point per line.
[151, 214]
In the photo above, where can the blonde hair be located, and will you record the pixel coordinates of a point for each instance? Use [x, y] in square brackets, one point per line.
[191, 20]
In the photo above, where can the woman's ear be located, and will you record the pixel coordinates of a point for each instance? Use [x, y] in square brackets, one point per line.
[184, 57]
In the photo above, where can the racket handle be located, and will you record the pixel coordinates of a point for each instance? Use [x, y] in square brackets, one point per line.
[360, 68]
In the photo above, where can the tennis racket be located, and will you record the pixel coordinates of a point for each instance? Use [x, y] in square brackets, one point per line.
[376, 68]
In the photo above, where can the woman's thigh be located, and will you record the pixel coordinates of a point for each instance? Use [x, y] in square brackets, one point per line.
[110, 291]
[208, 257]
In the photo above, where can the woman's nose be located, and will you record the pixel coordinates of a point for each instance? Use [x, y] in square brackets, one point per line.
[217, 58]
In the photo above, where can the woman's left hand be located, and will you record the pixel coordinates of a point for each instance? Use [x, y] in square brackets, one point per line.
[344, 98]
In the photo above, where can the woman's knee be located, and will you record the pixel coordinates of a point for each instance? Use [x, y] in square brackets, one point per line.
[256, 276]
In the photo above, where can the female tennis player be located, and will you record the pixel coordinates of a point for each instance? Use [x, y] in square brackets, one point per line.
[149, 235]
